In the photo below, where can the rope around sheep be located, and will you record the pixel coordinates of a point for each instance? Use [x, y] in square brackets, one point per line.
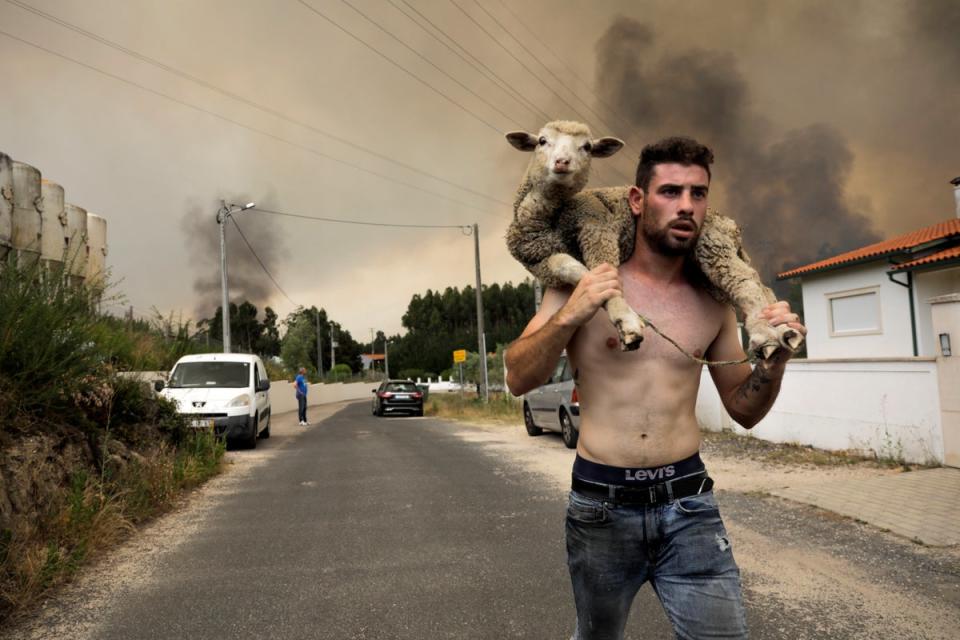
[752, 358]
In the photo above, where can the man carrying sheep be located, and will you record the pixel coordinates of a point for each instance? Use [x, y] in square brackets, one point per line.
[641, 508]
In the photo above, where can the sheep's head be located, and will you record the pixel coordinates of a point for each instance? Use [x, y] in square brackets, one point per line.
[562, 152]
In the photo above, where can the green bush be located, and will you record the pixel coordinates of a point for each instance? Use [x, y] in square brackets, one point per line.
[340, 373]
[59, 385]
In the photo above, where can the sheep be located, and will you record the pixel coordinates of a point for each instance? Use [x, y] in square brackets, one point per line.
[561, 230]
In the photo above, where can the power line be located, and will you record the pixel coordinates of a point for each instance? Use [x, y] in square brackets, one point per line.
[430, 62]
[234, 96]
[398, 65]
[532, 55]
[244, 126]
[262, 266]
[614, 112]
[477, 64]
[528, 69]
[474, 62]
[367, 224]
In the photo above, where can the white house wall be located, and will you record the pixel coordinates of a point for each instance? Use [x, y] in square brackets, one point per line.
[895, 338]
[884, 407]
[931, 284]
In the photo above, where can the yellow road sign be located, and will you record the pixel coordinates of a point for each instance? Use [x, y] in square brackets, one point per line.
[460, 355]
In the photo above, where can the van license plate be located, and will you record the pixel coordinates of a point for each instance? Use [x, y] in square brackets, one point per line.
[203, 423]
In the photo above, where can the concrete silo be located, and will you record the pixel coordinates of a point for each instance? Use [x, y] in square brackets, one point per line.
[97, 255]
[54, 229]
[27, 208]
[76, 243]
[6, 205]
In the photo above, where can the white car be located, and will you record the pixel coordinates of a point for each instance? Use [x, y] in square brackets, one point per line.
[228, 392]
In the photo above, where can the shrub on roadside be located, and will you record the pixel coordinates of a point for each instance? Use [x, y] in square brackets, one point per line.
[502, 407]
[85, 455]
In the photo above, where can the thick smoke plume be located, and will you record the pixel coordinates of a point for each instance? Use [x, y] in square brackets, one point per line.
[247, 279]
[786, 190]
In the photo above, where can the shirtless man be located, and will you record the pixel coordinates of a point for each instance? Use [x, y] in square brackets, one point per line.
[642, 507]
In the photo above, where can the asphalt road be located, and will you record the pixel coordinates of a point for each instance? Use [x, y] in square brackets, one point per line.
[395, 528]
[371, 528]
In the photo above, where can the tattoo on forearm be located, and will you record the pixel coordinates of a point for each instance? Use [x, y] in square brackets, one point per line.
[758, 380]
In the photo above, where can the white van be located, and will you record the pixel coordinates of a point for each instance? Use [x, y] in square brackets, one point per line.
[228, 391]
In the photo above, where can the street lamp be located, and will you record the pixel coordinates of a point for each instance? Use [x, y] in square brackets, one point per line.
[226, 210]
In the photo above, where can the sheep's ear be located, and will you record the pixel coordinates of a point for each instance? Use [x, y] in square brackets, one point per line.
[522, 140]
[605, 147]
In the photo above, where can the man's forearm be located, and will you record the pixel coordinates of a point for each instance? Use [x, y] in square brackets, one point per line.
[530, 360]
[751, 401]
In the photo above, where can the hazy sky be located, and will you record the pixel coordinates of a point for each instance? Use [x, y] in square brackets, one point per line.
[834, 124]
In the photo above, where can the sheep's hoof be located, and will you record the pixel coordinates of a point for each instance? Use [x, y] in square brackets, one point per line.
[631, 333]
[791, 339]
[768, 349]
[630, 341]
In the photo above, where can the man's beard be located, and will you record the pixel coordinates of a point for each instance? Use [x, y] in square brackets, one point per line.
[661, 241]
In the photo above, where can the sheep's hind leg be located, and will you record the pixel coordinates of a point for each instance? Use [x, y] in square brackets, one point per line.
[727, 266]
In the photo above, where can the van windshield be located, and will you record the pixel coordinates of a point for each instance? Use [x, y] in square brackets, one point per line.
[211, 374]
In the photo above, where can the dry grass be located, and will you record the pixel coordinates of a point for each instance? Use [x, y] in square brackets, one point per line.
[501, 409]
[506, 410]
[732, 444]
[94, 513]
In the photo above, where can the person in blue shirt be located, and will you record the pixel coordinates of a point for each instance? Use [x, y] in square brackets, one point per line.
[301, 385]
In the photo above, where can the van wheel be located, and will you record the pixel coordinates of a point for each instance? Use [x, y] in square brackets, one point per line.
[266, 430]
[251, 441]
[569, 433]
[532, 429]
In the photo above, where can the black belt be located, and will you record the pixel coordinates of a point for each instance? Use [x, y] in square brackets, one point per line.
[660, 493]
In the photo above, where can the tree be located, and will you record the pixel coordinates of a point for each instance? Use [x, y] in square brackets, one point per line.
[247, 334]
[438, 323]
[269, 342]
[298, 348]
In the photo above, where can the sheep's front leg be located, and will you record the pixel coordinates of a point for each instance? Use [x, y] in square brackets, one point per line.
[600, 243]
[563, 269]
[726, 265]
[629, 325]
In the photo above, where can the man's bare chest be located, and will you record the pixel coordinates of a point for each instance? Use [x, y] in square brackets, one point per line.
[688, 316]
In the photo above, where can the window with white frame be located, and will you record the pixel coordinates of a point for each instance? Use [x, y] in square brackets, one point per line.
[855, 312]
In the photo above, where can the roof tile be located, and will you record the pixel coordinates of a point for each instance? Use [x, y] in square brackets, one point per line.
[940, 256]
[907, 241]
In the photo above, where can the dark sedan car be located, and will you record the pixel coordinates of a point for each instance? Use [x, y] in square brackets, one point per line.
[398, 396]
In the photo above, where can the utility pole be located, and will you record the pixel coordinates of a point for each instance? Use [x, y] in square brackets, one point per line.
[386, 361]
[319, 351]
[333, 345]
[225, 212]
[485, 392]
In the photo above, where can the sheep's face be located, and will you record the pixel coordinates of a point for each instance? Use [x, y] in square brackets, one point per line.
[563, 151]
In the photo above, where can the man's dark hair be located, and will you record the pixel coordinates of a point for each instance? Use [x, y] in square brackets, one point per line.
[678, 149]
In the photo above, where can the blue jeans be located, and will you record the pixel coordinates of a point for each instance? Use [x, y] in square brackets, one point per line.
[680, 547]
[301, 407]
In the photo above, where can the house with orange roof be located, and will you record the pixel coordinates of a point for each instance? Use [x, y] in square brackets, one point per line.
[372, 360]
[881, 377]
[875, 301]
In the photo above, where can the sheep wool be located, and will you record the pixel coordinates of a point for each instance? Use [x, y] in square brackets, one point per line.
[560, 230]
